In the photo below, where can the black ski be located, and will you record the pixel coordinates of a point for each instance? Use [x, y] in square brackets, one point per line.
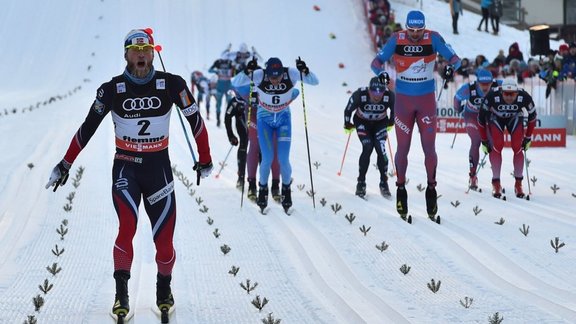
[434, 218]
[406, 218]
[163, 313]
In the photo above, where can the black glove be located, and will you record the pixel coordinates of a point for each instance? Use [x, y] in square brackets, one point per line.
[384, 78]
[348, 127]
[251, 66]
[448, 72]
[59, 175]
[526, 142]
[301, 66]
[486, 146]
[203, 170]
[233, 140]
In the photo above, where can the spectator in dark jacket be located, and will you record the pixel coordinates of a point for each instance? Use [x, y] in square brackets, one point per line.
[514, 53]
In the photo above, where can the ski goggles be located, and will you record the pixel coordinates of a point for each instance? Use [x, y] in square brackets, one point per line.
[143, 47]
[415, 30]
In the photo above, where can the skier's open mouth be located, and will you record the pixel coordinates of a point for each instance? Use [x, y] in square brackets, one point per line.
[141, 64]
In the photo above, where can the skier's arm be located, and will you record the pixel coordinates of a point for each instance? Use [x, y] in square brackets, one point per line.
[384, 54]
[461, 95]
[445, 50]
[231, 111]
[309, 78]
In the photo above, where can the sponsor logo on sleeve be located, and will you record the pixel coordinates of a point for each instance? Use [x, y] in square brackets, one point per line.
[184, 98]
[190, 110]
[98, 107]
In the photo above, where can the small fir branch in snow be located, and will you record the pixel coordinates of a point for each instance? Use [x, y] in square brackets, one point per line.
[495, 319]
[31, 320]
[56, 251]
[210, 221]
[271, 320]
[391, 174]
[405, 269]
[556, 244]
[455, 203]
[54, 269]
[336, 207]
[310, 193]
[438, 197]
[382, 247]
[467, 302]
[70, 197]
[554, 188]
[350, 218]
[38, 302]
[477, 210]
[67, 207]
[420, 187]
[30, 165]
[301, 187]
[524, 229]
[316, 164]
[500, 222]
[533, 179]
[204, 209]
[574, 195]
[65, 222]
[434, 286]
[259, 303]
[406, 182]
[191, 192]
[62, 231]
[222, 164]
[45, 287]
[248, 286]
[528, 161]
[75, 183]
[216, 233]
[365, 229]
[199, 201]
[234, 270]
[225, 249]
[323, 202]
[482, 164]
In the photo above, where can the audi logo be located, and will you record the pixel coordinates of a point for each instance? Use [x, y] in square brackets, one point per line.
[278, 87]
[413, 49]
[508, 108]
[141, 103]
[477, 101]
[374, 107]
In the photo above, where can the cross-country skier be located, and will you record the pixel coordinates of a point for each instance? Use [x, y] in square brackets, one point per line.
[373, 109]
[274, 86]
[468, 100]
[201, 83]
[413, 51]
[224, 69]
[140, 101]
[508, 108]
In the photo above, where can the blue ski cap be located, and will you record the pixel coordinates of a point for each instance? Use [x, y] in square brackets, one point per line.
[415, 19]
[484, 76]
[376, 85]
[274, 67]
[139, 37]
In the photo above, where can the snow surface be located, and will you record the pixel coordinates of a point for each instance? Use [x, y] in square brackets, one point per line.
[313, 266]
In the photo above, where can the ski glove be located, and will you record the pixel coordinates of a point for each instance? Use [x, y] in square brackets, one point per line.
[251, 66]
[384, 78]
[301, 66]
[348, 128]
[59, 175]
[203, 169]
[233, 140]
[448, 72]
[526, 142]
[486, 147]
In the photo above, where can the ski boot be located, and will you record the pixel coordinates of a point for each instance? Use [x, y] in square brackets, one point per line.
[164, 298]
[384, 189]
[473, 182]
[240, 182]
[275, 190]
[286, 197]
[518, 188]
[432, 202]
[361, 188]
[402, 202]
[262, 200]
[121, 306]
[497, 189]
[252, 189]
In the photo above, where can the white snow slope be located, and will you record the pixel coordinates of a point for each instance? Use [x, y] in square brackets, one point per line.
[312, 267]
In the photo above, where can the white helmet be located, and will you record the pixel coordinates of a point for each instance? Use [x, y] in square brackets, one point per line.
[509, 84]
[243, 48]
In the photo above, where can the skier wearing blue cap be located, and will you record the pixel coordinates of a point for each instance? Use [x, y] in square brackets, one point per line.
[468, 99]
[275, 88]
[414, 51]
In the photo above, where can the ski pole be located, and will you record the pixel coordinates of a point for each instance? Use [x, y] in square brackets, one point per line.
[248, 126]
[344, 156]
[391, 157]
[306, 131]
[442, 88]
[224, 163]
[527, 174]
[456, 132]
[158, 48]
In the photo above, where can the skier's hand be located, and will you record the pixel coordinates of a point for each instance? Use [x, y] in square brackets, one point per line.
[389, 128]
[251, 66]
[203, 170]
[233, 140]
[384, 78]
[526, 142]
[301, 66]
[59, 175]
[448, 72]
[486, 147]
[348, 128]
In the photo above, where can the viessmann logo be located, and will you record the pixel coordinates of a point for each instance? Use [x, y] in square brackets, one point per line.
[413, 49]
[144, 103]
